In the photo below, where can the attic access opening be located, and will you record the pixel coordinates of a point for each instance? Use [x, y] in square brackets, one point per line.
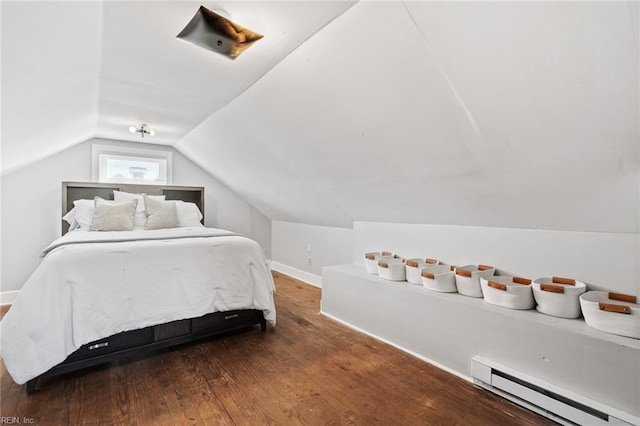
[214, 32]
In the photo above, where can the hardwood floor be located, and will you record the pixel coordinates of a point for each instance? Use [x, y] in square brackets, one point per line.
[308, 370]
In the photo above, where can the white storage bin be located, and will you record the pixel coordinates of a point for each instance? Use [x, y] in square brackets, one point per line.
[371, 260]
[508, 292]
[439, 278]
[413, 267]
[557, 296]
[392, 269]
[468, 278]
[612, 312]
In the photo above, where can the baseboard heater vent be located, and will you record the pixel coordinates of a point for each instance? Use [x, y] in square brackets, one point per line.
[557, 404]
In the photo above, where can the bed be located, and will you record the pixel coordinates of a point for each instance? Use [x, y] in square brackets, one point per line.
[100, 296]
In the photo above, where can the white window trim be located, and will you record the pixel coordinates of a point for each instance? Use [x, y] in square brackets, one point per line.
[98, 149]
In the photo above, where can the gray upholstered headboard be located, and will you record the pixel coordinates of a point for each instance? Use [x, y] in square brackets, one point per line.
[72, 191]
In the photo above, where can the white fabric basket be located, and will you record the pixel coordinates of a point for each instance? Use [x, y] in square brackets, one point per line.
[468, 279]
[557, 296]
[612, 312]
[392, 269]
[439, 278]
[508, 292]
[413, 267]
[371, 260]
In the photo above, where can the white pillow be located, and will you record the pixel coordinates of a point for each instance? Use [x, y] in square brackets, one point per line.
[70, 218]
[160, 214]
[141, 215]
[188, 214]
[84, 213]
[113, 216]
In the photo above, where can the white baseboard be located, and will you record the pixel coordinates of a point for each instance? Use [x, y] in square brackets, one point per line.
[417, 355]
[7, 297]
[307, 277]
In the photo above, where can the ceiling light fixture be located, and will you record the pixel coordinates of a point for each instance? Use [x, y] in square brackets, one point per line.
[143, 130]
[217, 33]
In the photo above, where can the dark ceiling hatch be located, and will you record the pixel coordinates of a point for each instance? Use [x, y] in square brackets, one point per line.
[215, 32]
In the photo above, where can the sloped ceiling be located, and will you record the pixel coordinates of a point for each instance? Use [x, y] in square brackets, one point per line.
[75, 70]
[492, 114]
[51, 56]
[515, 114]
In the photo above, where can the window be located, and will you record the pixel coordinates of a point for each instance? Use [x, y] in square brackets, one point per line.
[131, 165]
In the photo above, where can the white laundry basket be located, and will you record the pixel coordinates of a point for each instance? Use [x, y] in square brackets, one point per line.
[413, 267]
[508, 292]
[371, 260]
[439, 278]
[468, 278]
[612, 312]
[392, 269]
[558, 296]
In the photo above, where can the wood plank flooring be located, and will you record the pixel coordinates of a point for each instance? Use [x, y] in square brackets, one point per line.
[309, 370]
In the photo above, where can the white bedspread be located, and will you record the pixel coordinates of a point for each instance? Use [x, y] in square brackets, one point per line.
[91, 285]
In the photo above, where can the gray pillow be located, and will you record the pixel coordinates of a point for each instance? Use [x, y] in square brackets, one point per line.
[113, 216]
[160, 214]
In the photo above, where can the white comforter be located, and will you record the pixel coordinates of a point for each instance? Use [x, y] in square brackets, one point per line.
[91, 285]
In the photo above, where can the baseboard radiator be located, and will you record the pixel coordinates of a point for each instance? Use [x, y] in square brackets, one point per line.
[559, 405]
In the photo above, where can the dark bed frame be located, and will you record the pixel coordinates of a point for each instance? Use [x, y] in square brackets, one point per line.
[153, 338]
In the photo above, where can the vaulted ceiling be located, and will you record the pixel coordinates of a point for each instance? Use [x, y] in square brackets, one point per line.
[512, 114]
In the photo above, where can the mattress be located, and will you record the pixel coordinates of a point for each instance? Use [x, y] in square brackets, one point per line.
[90, 285]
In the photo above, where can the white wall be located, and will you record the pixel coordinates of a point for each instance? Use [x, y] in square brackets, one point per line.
[604, 260]
[31, 206]
[290, 244]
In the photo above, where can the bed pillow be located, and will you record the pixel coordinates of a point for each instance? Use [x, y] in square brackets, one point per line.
[188, 214]
[160, 214]
[112, 215]
[70, 218]
[141, 215]
[83, 213]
